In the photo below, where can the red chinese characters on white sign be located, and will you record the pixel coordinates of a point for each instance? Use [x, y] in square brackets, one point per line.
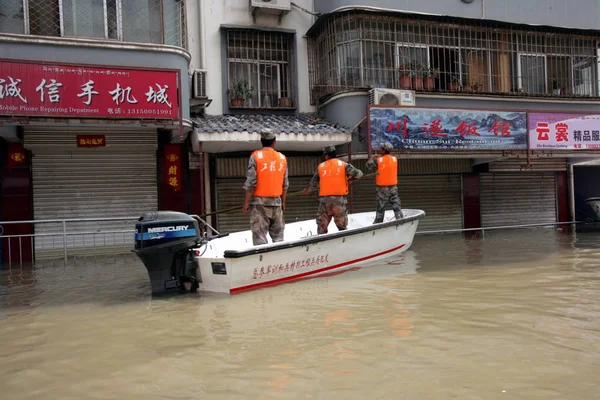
[291, 266]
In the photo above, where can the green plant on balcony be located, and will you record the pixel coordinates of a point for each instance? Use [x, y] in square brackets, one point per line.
[240, 93]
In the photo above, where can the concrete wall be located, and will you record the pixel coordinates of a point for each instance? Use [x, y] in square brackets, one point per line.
[58, 53]
[586, 183]
[215, 13]
[583, 14]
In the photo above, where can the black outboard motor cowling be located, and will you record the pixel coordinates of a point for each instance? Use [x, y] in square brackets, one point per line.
[164, 242]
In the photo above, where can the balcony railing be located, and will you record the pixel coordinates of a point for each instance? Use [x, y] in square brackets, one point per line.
[358, 51]
[142, 21]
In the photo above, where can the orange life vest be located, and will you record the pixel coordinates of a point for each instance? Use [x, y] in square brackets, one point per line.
[270, 172]
[332, 178]
[387, 166]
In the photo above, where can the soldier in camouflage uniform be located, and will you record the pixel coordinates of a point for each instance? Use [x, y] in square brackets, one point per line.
[266, 212]
[332, 206]
[386, 193]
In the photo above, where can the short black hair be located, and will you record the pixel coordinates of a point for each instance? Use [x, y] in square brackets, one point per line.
[331, 154]
[386, 151]
[266, 142]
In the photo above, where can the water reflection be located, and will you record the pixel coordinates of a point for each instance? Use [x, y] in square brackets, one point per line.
[510, 315]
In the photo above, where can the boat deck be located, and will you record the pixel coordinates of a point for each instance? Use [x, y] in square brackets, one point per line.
[295, 232]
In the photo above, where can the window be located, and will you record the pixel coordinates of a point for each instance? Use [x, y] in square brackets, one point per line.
[362, 50]
[532, 78]
[12, 16]
[142, 21]
[260, 70]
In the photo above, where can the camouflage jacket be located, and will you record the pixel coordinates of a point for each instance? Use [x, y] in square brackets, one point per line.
[250, 184]
[351, 172]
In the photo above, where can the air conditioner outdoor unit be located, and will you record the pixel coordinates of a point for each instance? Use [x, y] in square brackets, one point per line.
[270, 6]
[199, 84]
[392, 97]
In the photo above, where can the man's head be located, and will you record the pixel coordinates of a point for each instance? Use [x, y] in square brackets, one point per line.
[386, 148]
[267, 138]
[329, 152]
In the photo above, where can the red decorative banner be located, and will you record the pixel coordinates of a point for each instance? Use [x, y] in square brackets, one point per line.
[76, 91]
[16, 155]
[91, 141]
[172, 166]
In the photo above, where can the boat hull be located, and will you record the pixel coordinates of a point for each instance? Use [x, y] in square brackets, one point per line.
[594, 203]
[311, 256]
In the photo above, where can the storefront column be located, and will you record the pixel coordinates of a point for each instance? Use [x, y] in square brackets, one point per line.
[16, 202]
[562, 196]
[471, 203]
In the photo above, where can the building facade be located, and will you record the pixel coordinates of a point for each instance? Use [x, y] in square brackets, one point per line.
[489, 106]
[94, 104]
[254, 55]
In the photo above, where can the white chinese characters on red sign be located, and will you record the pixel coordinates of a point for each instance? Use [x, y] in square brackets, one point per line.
[32, 89]
[291, 266]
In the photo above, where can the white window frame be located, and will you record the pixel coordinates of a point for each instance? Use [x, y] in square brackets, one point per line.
[519, 66]
[589, 91]
[338, 46]
[118, 16]
[257, 63]
[414, 46]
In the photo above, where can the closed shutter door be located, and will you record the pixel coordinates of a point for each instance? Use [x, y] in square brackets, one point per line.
[440, 196]
[517, 198]
[231, 194]
[118, 180]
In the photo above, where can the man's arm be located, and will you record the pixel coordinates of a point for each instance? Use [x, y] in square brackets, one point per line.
[250, 184]
[313, 184]
[353, 173]
[372, 163]
[286, 185]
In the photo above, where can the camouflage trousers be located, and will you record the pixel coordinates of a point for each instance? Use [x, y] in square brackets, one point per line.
[384, 195]
[266, 219]
[327, 210]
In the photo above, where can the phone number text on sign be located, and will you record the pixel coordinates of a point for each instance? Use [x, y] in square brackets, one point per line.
[49, 90]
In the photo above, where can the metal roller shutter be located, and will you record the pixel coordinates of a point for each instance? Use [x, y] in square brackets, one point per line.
[231, 194]
[517, 198]
[118, 180]
[440, 196]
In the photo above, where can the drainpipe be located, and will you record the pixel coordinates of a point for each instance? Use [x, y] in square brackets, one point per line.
[202, 33]
[482, 9]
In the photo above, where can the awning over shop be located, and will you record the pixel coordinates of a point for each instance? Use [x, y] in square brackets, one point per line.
[230, 133]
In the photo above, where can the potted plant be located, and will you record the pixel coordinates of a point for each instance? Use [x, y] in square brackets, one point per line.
[284, 102]
[240, 93]
[454, 82]
[429, 75]
[555, 89]
[416, 73]
[404, 80]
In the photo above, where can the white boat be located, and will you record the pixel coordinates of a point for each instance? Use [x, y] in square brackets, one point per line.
[176, 256]
[594, 203]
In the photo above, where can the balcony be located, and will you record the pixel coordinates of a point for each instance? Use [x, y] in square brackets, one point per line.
[355, 51]
[138, 21]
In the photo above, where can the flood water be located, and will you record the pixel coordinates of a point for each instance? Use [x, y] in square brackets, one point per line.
[514, 315]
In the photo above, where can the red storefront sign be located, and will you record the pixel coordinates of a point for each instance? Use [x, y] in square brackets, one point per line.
[40, 89]
[16, 155]
[172, 166]
[91, 141]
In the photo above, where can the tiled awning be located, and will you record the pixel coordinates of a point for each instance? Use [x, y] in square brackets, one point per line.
[304, 132]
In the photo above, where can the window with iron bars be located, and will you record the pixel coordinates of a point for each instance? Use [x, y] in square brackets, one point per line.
[260, 69]
[355, 51]
[143, 21]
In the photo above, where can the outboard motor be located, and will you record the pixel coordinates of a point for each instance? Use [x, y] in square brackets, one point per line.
[164, 242]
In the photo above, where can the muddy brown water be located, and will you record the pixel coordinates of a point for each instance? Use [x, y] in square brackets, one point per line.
[514, 315]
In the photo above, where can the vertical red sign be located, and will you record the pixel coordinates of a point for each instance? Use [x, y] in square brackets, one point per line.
[173, 166]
